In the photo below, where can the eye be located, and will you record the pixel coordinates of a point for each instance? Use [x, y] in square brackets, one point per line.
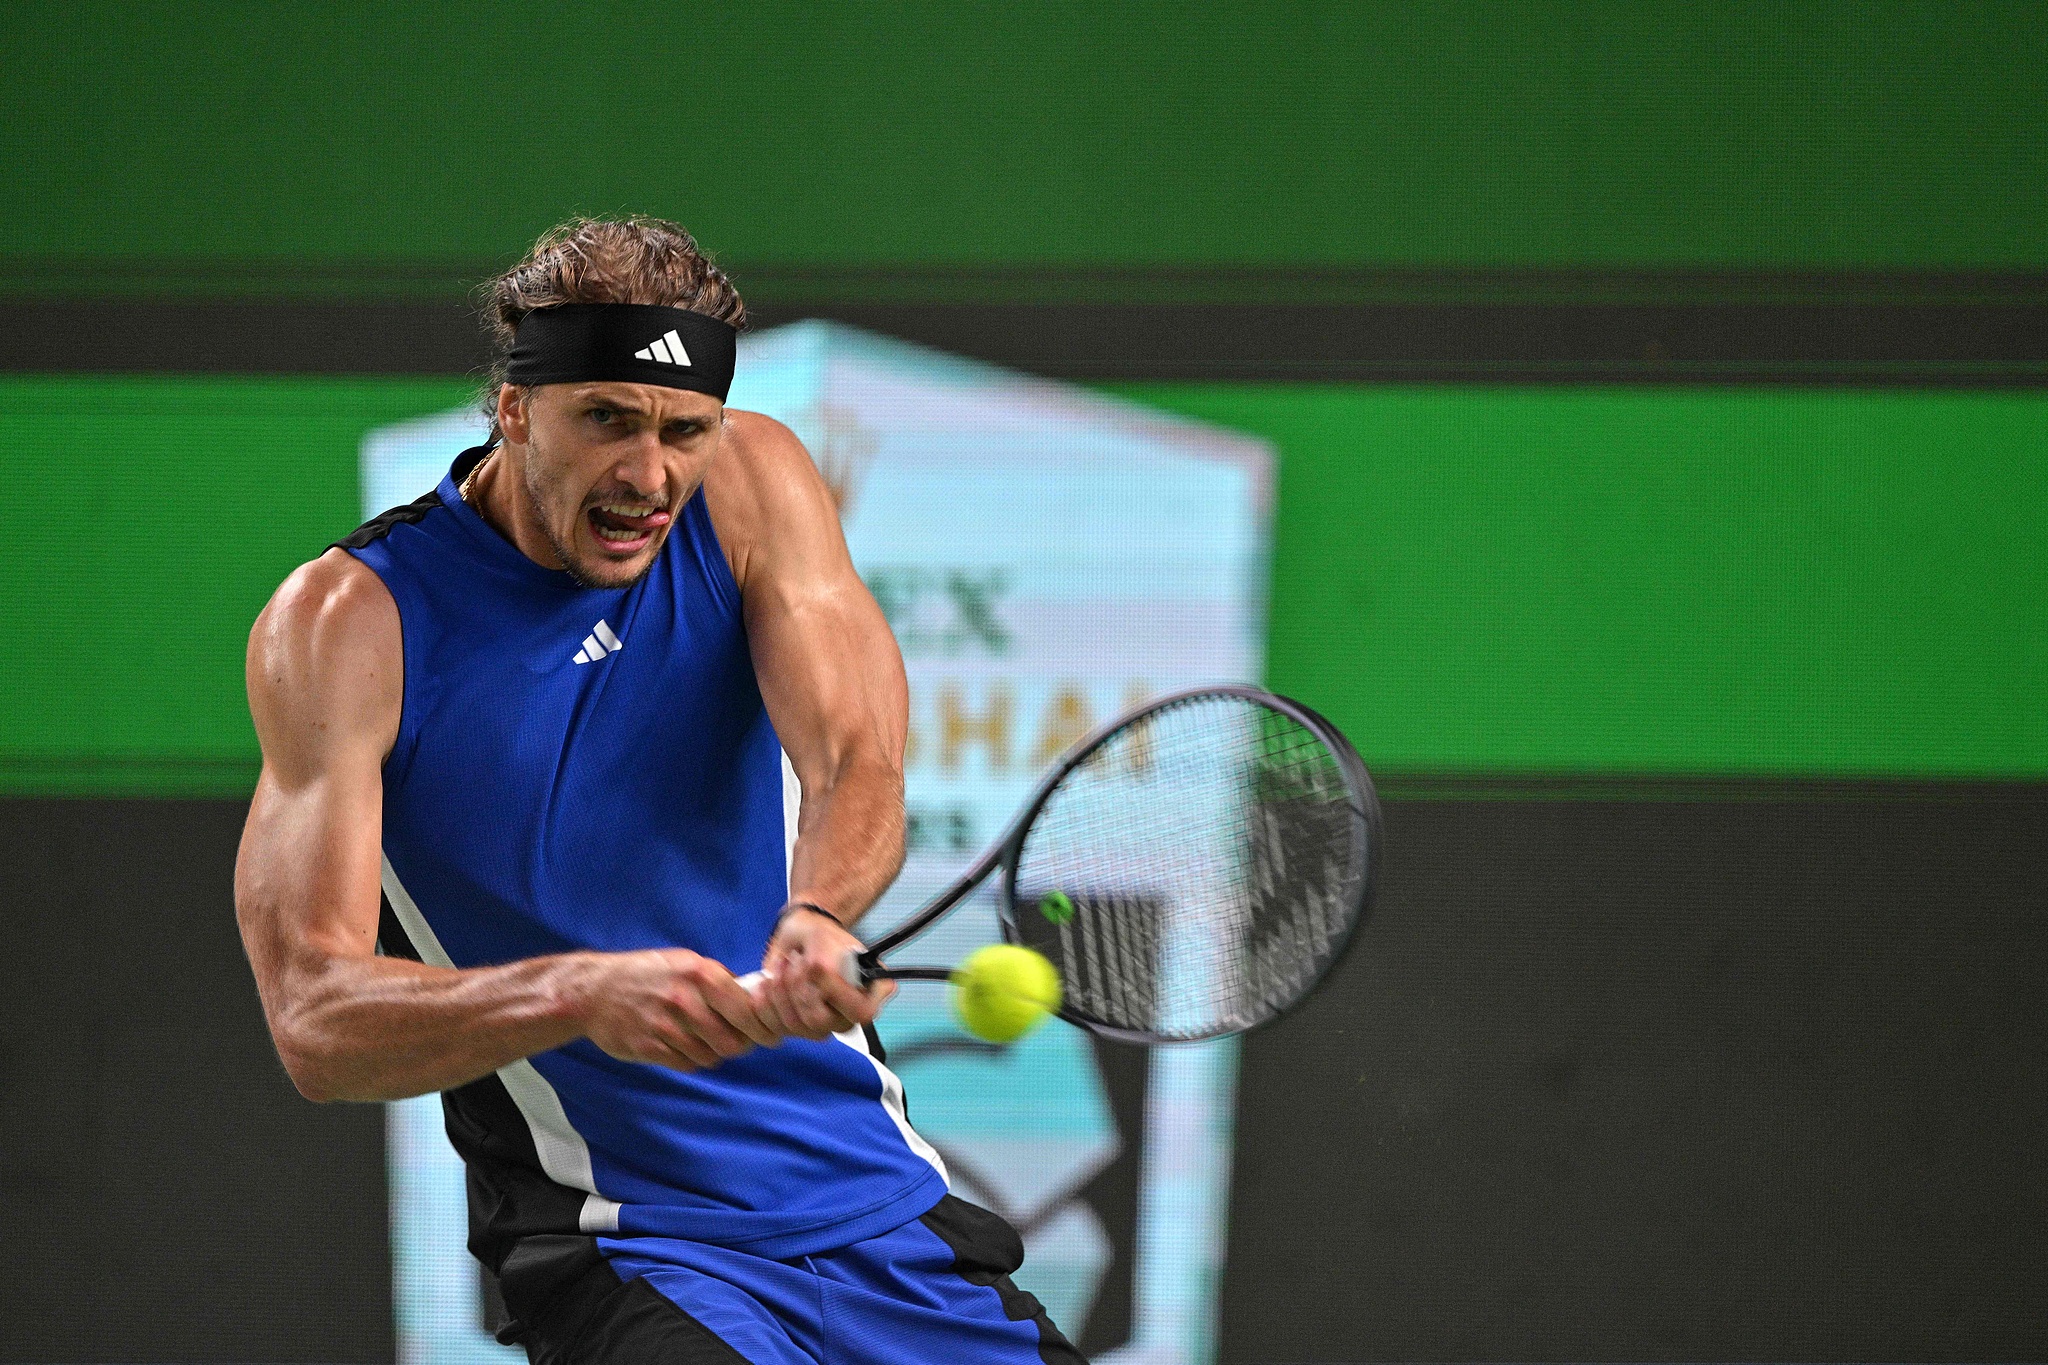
[603, 416]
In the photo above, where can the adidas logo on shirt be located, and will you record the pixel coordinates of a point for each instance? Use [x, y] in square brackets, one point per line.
[667, 348]
[600, 642]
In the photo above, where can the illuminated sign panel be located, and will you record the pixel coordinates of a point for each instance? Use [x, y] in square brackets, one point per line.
[1046, 556]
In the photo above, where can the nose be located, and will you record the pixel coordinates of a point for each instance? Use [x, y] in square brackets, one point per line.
[640, 466]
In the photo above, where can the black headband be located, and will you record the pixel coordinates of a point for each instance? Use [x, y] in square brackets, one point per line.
[629, 342]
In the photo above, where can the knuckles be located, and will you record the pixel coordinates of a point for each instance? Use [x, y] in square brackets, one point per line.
[678, 1027]
[694, 969]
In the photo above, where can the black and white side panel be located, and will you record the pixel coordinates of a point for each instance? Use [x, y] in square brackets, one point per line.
[563, 1153]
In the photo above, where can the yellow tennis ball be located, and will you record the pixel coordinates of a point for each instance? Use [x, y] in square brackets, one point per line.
[1001, 992]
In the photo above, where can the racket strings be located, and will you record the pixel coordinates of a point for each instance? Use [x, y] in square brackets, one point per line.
[1213, 860]
[1294, 920]
[1295, 877]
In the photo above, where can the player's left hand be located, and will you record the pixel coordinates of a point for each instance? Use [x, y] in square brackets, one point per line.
[803, 994]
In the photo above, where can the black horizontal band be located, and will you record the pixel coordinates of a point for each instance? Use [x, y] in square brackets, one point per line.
[624, 342]
[1958, 330]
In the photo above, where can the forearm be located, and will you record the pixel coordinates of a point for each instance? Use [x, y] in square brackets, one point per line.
[849, 840]
[386, 1028]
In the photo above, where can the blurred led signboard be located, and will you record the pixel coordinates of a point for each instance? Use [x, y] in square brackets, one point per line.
[1046, 556]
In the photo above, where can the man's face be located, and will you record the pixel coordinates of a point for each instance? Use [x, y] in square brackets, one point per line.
[607, 468]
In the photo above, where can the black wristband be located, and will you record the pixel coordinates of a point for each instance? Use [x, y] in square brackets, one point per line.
[795, 906]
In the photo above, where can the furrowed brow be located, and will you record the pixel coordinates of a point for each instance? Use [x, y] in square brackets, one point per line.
[612, 400]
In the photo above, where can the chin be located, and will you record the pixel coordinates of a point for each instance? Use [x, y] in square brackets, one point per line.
[606, 571]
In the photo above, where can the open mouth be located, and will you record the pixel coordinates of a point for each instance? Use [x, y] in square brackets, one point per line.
[625, 527]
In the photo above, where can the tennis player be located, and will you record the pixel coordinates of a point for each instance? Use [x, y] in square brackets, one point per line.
[524, 824]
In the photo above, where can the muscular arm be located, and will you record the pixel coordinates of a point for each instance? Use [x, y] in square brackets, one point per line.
[833, 681]
[325, 677]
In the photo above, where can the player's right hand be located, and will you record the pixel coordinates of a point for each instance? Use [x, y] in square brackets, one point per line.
[671, 1007]
[803, 991]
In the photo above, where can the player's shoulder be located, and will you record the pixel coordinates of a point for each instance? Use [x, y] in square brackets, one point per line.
[326, 667]
[765, 455]
[764, 492]
[327, 605]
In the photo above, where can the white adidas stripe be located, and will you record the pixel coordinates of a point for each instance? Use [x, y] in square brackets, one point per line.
[601, 641]
[563, 1153]
[892, 1103]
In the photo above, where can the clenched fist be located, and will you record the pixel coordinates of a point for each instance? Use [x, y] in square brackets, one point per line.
[673, 1008]
[803, 993]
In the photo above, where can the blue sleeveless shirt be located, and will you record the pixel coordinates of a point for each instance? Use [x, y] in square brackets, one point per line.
[582, 768]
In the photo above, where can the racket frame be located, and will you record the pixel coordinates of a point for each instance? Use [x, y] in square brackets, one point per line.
[1002, 856]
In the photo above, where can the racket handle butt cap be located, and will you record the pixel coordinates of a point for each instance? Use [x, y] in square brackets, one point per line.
[850, 967]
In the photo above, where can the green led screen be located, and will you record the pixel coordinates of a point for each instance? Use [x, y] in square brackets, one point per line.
[1694, 581]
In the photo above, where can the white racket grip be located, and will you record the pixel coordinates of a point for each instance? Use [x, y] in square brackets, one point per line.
[849, 967]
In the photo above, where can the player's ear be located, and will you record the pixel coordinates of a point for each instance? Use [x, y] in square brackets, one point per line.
[512, 413]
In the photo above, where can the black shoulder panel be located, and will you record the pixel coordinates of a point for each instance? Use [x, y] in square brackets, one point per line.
[382, 523]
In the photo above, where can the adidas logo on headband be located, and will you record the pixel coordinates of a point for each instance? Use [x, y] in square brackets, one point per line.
[667, 348]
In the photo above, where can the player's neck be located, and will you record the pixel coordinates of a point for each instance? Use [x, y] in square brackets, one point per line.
[494, 490]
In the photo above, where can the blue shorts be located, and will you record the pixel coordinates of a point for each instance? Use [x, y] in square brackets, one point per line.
[934, 1290]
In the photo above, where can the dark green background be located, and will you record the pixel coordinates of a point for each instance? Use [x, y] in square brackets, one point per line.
[1695, 581]
[230, 142]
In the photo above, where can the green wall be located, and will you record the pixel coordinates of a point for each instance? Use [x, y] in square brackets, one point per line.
[1540, 132]
[1772, 581]
[1468, 580]
[149, 521]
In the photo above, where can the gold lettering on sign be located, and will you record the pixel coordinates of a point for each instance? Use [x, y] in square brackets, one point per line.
[959, 728]
[1067, 717]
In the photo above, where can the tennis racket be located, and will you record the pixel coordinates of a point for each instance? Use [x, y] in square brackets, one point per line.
[1194, 868]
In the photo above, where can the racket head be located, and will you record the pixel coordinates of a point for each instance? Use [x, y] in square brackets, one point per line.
[1196, 867]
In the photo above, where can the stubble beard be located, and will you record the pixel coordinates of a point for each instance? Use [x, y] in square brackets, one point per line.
[579, 573]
